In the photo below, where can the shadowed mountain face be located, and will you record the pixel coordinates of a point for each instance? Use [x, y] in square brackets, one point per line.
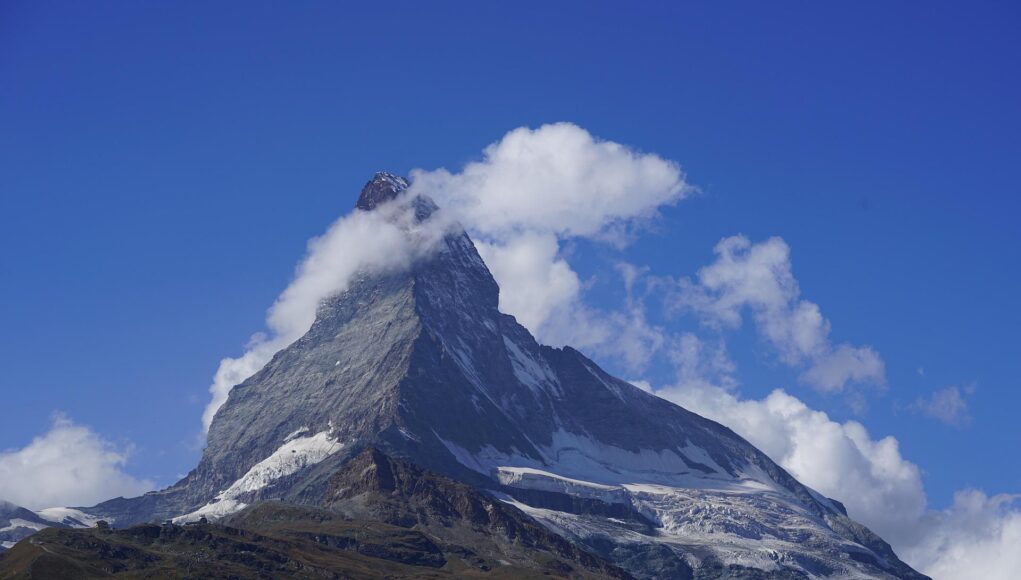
[422, 365]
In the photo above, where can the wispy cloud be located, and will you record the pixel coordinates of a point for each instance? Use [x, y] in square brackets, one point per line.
[948, 405]
[758, 278]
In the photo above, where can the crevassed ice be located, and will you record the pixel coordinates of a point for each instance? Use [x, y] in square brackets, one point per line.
[745, 519]
[582, 458]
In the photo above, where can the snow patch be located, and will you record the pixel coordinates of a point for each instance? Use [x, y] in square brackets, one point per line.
[293, 455]
[20, 523]
[213, 511]
[535, 375]
[71, 517]
[529, 478]
[289, 458]
[577, 457]
[486, 459]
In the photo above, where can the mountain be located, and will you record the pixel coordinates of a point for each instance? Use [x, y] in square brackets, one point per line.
[17, 522]
[421, 366]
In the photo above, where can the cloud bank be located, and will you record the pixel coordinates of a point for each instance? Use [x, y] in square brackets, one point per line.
[976, 537]
[948, 405]
[557, 179]
[69, 465]
[840, 460]
[880, 488]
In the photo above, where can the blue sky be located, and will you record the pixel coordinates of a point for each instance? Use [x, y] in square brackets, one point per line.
[162, 167]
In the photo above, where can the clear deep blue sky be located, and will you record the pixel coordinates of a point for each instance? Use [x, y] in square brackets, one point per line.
[161, 168]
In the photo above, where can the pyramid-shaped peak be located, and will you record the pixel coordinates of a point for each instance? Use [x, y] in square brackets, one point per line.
[383, 187]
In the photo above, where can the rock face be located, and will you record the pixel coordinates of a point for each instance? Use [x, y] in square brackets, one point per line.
[421, 365]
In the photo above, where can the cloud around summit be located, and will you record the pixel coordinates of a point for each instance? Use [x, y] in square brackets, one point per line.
[536, 189]
[530, 190]
[330, 262]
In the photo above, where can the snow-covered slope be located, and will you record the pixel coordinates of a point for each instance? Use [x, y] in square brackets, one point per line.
[70, 517]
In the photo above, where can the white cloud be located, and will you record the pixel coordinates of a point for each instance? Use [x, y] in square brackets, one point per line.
[643, 385]
[759, 278]
[557, 179]
[69, 465]
[534, 280]
[976, 537]
[539, 288]
[634, 340]
[387, 238]
[948, 405]
[701, 365]
[845, 364]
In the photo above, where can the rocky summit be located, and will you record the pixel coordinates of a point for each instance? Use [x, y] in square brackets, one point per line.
[414, 405]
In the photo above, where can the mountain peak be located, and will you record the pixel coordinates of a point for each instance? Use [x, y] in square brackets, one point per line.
[383, 187]
[418, 365]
